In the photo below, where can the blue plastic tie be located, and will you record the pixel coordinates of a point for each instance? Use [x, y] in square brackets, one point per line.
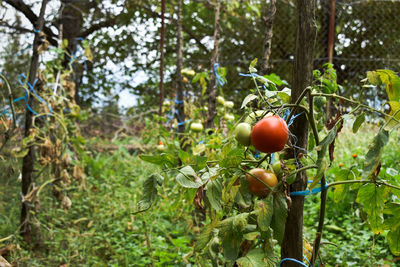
[294, 260]
[178, 102]
[201, 142]
[272, 158]
[219, 79]
[294, 117]
[307, 192]
[32, 89]
[255, 75]
[36, 31]
[257, 154]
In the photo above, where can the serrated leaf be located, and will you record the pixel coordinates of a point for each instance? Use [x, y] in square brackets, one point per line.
[372, 199]
[265, 210]
[342, 189]
[231, 230]
[393, 238]
[392, 82]
[253, 258]
[358, 122]
[374, 153]
[187, 178]
[214, 193]
[149, 191]
[232, 159]
[253, 63]
[373, 78]
[88, 53]
[285, 94]
[322, 149]
[279, 216]
[204, 238]
[248, 99]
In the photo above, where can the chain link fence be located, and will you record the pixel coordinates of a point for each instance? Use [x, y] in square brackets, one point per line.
[366, 37]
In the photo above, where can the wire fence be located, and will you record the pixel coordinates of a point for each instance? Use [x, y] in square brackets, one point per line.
[366, 37]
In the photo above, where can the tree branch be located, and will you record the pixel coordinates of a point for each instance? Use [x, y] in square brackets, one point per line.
[28, 13]
[107, 23]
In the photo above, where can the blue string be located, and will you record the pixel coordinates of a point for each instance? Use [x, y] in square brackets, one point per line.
[32, 89]
[307, 192]
[294, 117]
[255, 75]
[201, 142]
[219, 79]
[257, 154]
[272, 158]
[290, 259]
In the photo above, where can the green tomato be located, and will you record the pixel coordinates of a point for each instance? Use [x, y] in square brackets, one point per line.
[229, 104]
[256, 115]
[196, 127]
[161, 148]
[229, 117]
[221, 100]
[242, 133]
[277, 168]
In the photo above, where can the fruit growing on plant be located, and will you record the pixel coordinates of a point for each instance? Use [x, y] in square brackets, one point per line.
[188, 72]
[270, 134]
[196, 126]
[229, 117]
[185, 80]
[221, 100]
[242, 133]
[354, 155]
[229, 104]
[258, 188]
[277, 168]
[160, 146]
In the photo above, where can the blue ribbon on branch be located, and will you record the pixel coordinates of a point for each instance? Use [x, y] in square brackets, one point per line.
[218, 78]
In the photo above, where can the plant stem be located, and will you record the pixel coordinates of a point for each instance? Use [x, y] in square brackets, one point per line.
[356, 102]
[297, 104]
[363, 182]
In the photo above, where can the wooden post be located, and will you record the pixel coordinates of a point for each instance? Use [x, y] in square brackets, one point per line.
[292, 245]
[29, 160]
[268, 33]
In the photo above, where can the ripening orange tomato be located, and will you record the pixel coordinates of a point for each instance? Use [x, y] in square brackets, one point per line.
[270, 134]
[258, 188]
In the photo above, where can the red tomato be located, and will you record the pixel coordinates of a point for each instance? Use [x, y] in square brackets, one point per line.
[256, 187]
[270, 134]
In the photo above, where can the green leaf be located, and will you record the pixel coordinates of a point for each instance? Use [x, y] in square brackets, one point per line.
[265, 210]
[253, 258]
[254, 9]
[248, 99]
[276, 79]
[187, 178]
[342, 189]
[214, 193]
[279, 216]
[322, 149]
[373, 78]
[204, 238]
[163, 159]
[285, 94]
[374, 153]
[231, 230]
[357, 123]
[393, 238]
[149, 191]
[233, 158]
[392, 82]
[372, 199]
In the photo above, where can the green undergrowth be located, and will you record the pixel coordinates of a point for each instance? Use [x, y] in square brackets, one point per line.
[100, 229]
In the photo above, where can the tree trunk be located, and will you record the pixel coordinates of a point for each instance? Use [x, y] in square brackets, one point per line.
[29, 160]
[180, 108]
[292, 246]
[71, 21]
[268, 19]
[162, 34]
[212, 86]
